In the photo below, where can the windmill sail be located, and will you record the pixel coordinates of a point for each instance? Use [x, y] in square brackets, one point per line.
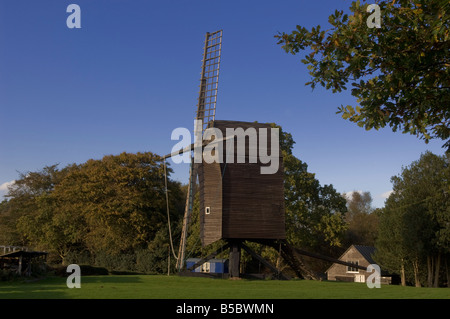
[206, 111]
[206, 107]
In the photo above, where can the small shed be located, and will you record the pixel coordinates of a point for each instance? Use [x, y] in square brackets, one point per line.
[21, 261]
[358, 255]
[217, 266]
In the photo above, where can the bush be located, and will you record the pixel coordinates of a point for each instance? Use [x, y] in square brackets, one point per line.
[57, 270]
[119, 262]
[86, 270]
[145, 261]
[8, 275]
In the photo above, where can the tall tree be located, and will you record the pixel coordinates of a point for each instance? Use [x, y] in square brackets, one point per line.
[361, 218]
[121, 199]
[399, 72]
[415, 223]
[314, 212]
[390, 247]
[359, 202]
[113, 205]
[24, 197]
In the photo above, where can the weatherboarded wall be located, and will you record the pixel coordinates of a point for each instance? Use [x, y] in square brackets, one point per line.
[210, 194]
[236, 200]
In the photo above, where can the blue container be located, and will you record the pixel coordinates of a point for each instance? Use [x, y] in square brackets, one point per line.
[219, 266]
[191, 262]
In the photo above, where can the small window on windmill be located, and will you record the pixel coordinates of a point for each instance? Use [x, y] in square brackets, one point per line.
[207, 210]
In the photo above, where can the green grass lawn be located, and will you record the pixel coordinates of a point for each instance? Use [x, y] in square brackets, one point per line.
[175, 287]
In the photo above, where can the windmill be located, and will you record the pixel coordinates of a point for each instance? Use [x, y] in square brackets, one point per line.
[237, 202]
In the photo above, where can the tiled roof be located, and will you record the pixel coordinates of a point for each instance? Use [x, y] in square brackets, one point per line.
[366, 252]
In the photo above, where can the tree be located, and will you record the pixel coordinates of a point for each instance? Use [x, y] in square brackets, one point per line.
[399, 73]
[105, 207]
[7, 225]
[120, 199]
[359, 202]
[415, 223]
[390, 249]
[24, 197]
[314, 212]
[362, 220]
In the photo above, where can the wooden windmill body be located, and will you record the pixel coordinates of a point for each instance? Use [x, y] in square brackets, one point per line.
[237, 201]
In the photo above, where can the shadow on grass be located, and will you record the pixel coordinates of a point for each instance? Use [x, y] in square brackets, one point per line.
[44, 288]
[56, 287]
[111, 279]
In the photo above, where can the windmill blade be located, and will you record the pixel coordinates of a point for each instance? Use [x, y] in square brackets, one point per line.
[209, 82]
[187, 216]
[206, 111]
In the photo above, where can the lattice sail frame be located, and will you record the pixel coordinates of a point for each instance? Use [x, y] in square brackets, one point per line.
[206, 111]
[209, 82]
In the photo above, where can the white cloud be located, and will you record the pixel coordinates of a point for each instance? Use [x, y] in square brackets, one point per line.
[386, 194]
[4, 186]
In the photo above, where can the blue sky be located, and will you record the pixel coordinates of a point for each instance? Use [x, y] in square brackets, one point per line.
[130, 76]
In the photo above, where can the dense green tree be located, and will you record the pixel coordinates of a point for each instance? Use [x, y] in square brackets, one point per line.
[399, 72]
[109, 206]
[314, 213]
[24, 196]
[120, 198]
[8, 233]
[390, 252]
[415, 223]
